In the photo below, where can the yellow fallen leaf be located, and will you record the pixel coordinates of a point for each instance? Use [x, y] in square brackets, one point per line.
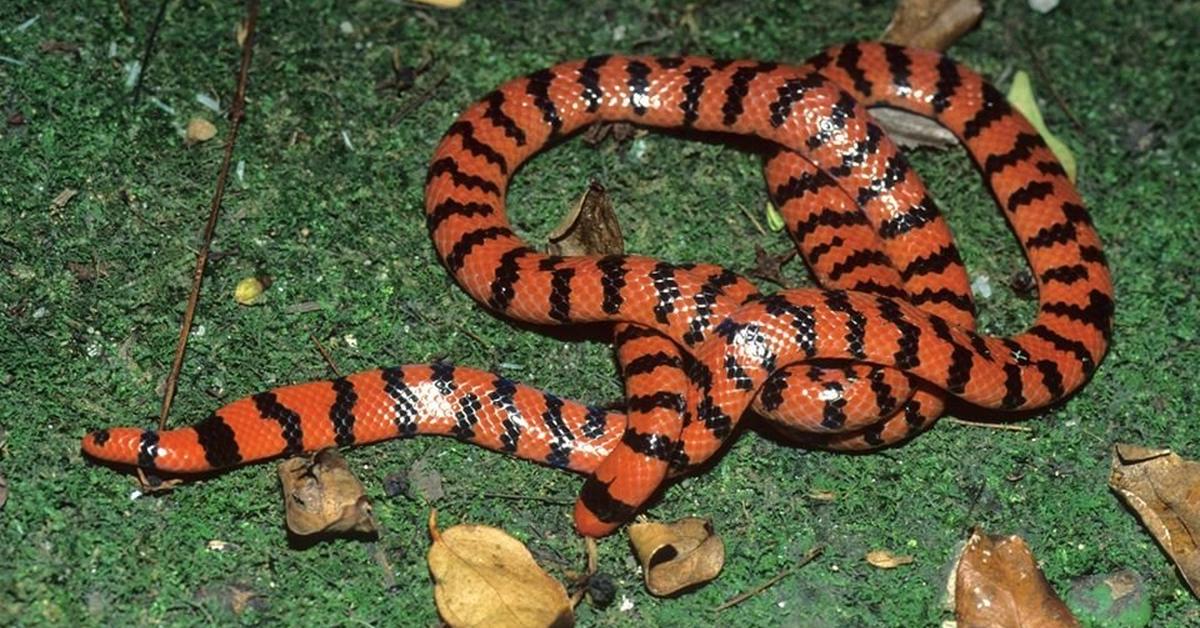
[677, 555]
[442, 4]
[200, 130]
[884, 559]
[484, 577]
[1020, 96]
[248, 291]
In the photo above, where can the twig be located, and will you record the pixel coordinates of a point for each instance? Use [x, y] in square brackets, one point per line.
[738, 599]
[1045, 80]
[151, 37]
[418, 99]
[236, 113]
[325, 354]
[532, 498]
[124, 5]
[995, 426]
[752, 219]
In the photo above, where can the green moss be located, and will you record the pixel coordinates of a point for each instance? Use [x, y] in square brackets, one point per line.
[342, 228]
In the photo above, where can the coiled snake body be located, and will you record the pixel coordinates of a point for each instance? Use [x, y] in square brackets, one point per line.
[864, 362]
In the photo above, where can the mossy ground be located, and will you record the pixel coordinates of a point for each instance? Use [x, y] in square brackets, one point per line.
[329, 205]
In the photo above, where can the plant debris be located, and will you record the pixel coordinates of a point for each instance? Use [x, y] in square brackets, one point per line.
[1117, 599]
[234, 597]
[425, 482]
[60, 201]
[484, 577]
[997, 583]
[769, 267]
[200, 130]
[1164, 490]
[590, 228]
[249, 291]
[884, 559]
[620, 132]
[323, 496]
[678, 555]
[910, 130]
[932, 24]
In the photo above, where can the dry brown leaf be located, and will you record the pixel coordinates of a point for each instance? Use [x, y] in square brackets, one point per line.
[1164, 490]
[484, 577]
[998, 585]
[200, 130]
[677, 555]
[590, 228]
[322, 495]
[3, 490]
[884, 559]
[442, 4]
[932, 24]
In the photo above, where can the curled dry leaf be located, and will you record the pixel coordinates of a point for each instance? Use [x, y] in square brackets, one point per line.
[1164, 490]
[3, 490]
[322, 495]
[678, 555]
[484, 577]
[590, 228]
[998, 585]
[200, 130]
[884, 559]
[932, 24]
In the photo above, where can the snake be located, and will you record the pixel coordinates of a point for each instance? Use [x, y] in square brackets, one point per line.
[867, 359]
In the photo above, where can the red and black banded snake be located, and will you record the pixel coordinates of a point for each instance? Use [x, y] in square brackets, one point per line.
[866, 361]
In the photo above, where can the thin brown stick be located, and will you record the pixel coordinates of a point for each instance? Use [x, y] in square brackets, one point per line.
[738, 599]
[325, 355]
[418, 99]
[995, 426]
[1044, 79]
[236, 113]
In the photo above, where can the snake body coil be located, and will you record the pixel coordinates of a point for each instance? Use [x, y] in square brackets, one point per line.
[864, 362]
